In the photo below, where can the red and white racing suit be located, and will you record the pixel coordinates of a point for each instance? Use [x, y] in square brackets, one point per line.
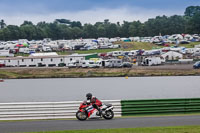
[96, 103]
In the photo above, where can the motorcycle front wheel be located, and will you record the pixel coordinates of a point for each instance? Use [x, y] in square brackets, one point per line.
[81, 115]
[108, 115]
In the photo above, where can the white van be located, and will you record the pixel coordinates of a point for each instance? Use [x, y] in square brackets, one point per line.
[117, 53]
[91, 64]
[115, 63]
[72, 64]
[150, 61]
[132, 53]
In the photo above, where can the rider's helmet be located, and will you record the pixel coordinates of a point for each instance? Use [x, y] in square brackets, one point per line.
[89, 96]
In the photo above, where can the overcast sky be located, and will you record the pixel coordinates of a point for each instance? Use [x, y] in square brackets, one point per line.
[89, 11]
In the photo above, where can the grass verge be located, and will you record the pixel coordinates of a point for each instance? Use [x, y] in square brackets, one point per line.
[177, 129]
[21, 73]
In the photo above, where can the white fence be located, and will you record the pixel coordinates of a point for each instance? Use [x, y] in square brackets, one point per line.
[46, 110]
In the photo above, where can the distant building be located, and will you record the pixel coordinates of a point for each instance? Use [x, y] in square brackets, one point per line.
[45, 61]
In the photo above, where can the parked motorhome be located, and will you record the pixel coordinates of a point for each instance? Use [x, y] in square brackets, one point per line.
[132, 53]
[117, 53]
[147, 52]
[72, 64]
[26, 50]
[6, 53]
[91, 64]
[105, 63]
[196, 52]
[46, 49]
[192, 50]
[115, 63]
[150, 61]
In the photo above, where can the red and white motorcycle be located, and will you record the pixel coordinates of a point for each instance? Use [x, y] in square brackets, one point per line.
[88, 111]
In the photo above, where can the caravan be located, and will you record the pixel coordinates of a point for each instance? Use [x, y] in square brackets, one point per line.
[91, 64]
[132, 53]
[151, 61]
[117, 53]
[6, 53]
[114, 63]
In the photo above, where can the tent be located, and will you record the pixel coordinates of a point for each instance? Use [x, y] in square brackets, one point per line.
[172, 55]
[25, 44]
[19, 45]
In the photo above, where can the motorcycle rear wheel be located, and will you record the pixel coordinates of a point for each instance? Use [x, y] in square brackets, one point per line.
[81, 115]
[108, 115]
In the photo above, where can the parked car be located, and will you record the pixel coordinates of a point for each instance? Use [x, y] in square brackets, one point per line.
[196, 65]
[72, 64]
[127, 64]
[46, 49]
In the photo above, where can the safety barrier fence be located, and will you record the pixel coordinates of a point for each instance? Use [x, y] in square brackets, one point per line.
[62, 110]
[46, 110]
[160, 106]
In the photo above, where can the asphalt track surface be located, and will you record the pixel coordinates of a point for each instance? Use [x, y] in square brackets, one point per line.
[54, 125]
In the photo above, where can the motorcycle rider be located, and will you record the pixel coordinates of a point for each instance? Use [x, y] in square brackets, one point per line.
[96, 103]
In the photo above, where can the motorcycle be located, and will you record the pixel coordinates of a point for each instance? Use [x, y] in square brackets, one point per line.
[86, 110]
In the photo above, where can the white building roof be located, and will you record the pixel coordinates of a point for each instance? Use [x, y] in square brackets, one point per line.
[50, 56]
[43, 54]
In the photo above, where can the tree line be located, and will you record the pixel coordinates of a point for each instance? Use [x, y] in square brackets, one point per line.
[66, 29]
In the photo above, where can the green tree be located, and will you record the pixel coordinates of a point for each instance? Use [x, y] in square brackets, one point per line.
[14, 32]
[89, 31]
[192, 10]
[1, 35]
[76, 32]
[135, 28]
[193, 24]
[63, 21]
[2, 24]
[124, 29]
[76, 24]
[101, 31]
[112, 30]
[26, 23]
[176, 25]
[106, 21]
[28, 32]
[6, 34]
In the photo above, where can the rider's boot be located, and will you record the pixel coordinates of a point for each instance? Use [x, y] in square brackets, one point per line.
[100, 111]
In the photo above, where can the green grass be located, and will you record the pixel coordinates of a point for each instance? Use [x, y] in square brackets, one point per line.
[178, 129]
[21, 54]
[7, 74]
[191, 45]
[80, 72]
[143, 45]
[125, 46]
[96, 51]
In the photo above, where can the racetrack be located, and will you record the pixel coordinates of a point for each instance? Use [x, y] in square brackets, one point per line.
[53, 125]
